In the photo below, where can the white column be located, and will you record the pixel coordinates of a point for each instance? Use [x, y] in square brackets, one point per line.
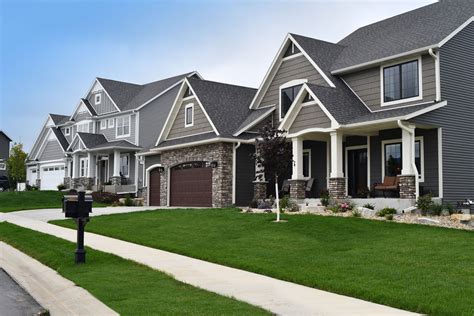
[336, 155]
[408, 151]
[75, 166]
[91, 167]
[297, 158]
[116, 163]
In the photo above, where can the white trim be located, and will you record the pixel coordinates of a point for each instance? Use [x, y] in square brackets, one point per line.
[111, 120]
[99, 100]
[41, 148]
[203, 142]
[403, 106]
[310, 130]
[37, 141]
[440, 163]
[129, 126]
[256, 121]
[203, 109]
[234, 170]
[456, 31]
[81, 124]
[147, 172]
[286, 85]
[103, 124]
[328, 163]
[399, 140]
[189, 97]
[358, 97]
[86, 167]
[129, 162]
[369, 152]
[77, 108]
[67, 131]
[420, 82]
[185, 136]
[189, 106]
[435, 56]
[108, 95]
[292, 56]
[137, 128]
[346, 164]
[307, 150]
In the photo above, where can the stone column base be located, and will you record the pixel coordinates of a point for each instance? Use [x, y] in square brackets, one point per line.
[75, 182]
[297, 189]
[407, 186]
[38, 183]
[337, 188]
[116, 180]
[260, 190]
[67, 182]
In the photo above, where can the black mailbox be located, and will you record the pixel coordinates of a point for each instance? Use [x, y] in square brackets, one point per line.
[77, 206]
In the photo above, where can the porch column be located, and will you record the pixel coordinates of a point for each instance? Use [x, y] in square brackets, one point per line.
[75, 171]
[408, 178]
[90, 170]
[297, 182]
[259, 185]
[337, 182]
[115, 179]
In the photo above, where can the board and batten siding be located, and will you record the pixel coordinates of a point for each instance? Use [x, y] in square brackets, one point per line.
[51, 151]
[110, 133]
[457, 117]
[310, 116]
[201, 123]
[367, 84]
[105, 106]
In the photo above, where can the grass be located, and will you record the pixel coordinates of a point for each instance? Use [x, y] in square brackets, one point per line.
[32, 200]
[125, 286]
[413, 267]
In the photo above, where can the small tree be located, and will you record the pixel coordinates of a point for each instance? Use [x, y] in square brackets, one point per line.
[16, 165]
[273, 152]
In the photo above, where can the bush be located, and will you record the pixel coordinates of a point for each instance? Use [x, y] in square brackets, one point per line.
[389, 217]
[369, 206]
[293, 207]
[128, 201]
[386, 211]
[61, 187]
[334, 208]
[104, 197]
[324, 198]
[437, 209]
[284, 202]
[425, 203]
[356, 213]
[342, 207]
[31, 188]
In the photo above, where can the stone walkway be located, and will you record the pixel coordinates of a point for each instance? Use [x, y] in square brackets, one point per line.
[277, 296]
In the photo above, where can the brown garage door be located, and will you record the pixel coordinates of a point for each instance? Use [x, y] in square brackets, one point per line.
[191, 185]
[155, 187]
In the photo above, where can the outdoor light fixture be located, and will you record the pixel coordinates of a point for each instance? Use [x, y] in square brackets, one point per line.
[161, 169]
[214, 164]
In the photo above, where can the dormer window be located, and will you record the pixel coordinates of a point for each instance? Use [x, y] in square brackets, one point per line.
[67, 131]
[291, 50]
[401, 82]
[189, 115]
[97, 98]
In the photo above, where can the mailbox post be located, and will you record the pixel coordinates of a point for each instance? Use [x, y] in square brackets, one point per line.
[78, 207]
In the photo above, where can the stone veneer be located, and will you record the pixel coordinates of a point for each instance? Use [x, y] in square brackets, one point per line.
[221, 175]
[38, 183]
[337, 188]
[67, 182]
[297, 189]
[260, 190]
[84, 182]
[116, 181]
[407, 186]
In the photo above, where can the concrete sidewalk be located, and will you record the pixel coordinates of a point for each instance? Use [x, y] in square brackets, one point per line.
[55, 293]
[275, 295]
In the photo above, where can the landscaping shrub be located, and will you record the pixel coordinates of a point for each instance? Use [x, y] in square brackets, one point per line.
[369, 206]
[31, 188]
[425, 203]
[284, 202]
[104, 197]
[293, 207]
[61, 187]
[342, 207]
[128, 201]
[437, 209]
[356, 213]
[324, 198]
[386, 211]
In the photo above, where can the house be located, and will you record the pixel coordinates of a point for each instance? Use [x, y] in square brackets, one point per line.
[4, 152]
[96, 146]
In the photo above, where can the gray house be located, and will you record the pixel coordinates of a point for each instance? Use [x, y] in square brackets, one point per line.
[96, 146]
[4, 152]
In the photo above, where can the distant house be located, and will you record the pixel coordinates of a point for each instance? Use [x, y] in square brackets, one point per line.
[4, 152]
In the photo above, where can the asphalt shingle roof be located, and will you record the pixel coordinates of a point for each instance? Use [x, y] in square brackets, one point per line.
[200, 137]
[96, 141]
[5, 135]
[59, 119]
[89, 106]
[60, 136]
[255, 115]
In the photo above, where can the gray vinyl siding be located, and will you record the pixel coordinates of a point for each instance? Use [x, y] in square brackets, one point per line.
[4, 151]
[366, 84]
[295, 68]
[310, 116]
[201, 123]
[106, 105]
[69, 137]
[39, 142]
[245, 175]
[110, 133]
[82, 116]
[457, 117]
[51, 151]
[318, 165]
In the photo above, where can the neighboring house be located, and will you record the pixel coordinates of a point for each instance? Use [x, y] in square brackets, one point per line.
[96, 146]
[4, 152]
[394, 98]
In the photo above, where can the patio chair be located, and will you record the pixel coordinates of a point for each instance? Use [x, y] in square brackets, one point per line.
[390, 184]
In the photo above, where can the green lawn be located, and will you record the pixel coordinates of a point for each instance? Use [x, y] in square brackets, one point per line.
[125, 286]
[30, 200]
[413, 267]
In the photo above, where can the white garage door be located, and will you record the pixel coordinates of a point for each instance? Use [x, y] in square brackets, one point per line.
[51, 177]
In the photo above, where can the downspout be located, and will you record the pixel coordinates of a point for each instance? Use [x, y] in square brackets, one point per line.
[234, 170]
[413, 164]
[437, 73]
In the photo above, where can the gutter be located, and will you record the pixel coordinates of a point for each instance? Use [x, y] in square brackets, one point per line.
[234, 169]
[202, 142]
[411, 131]
[437, 73]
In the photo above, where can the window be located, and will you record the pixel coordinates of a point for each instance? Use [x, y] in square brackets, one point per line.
[288, 95]
[307, 163]
[83, 166]
[291, 50]
[123, 126]
[83, 128]
[401, 81]
[392, 151]
[97, 98]
[189, 115]
[125, 165]
[67, 131]
[103, 124]
[111, 122]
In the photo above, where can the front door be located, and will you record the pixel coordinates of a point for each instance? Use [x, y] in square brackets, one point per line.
[357, 172]
[103, 171]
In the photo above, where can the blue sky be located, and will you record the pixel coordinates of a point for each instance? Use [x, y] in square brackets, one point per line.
[51, 51]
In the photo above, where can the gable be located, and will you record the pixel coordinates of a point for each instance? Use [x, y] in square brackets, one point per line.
[105, 106]
[200, 122]
[82, 113]
[290, 69]
[51, 151]
[310, 116]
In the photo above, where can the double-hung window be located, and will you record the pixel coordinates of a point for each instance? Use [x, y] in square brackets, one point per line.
[111, 122]
[125, 165]
[83, 127]
[123, 126]
[401, 82]
[103, 124]
[83, 166]
[189, 115]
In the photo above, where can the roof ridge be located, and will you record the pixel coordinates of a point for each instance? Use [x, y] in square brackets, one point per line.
[135, 84]
[167, 78]
[316, 39]
[222, 83]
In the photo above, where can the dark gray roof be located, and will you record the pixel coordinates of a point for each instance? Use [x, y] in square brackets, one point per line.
[423, 27]
[5, 135]
[200, 137]
[60, 136]
[129, 96]
[255, 115]
[59, 119]
[89, 106]
[97, 141]
[227, 105]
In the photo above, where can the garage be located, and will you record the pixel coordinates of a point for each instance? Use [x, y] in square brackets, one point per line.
[191, 185]
[155, 183]
[51, 177]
